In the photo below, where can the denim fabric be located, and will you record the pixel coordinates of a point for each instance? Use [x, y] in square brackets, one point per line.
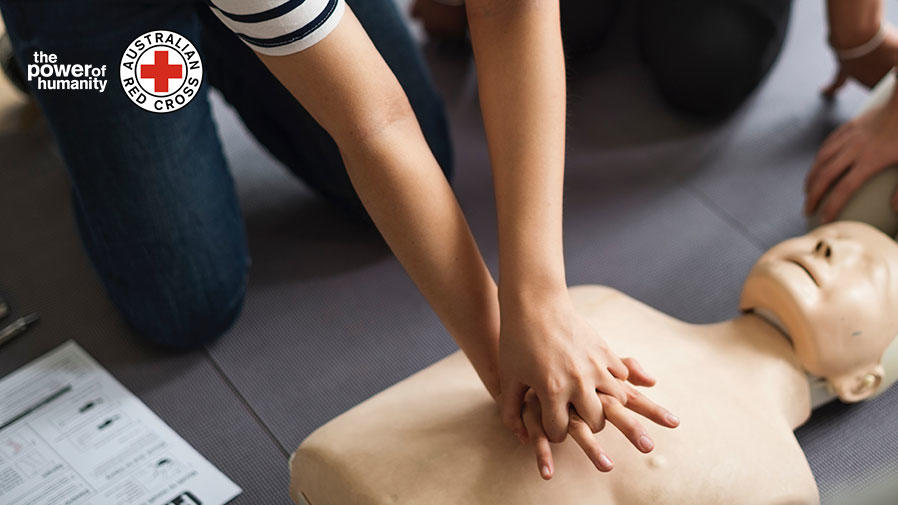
[705, 56]
[154, 199]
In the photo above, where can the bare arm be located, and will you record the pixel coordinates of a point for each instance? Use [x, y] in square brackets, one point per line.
[358, 100]
[863, 147]
[520, 63]
[853, 23]
[544, 344]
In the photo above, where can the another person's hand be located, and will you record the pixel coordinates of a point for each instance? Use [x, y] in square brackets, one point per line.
[581, 433]
[867, 69]
[441, 20]
[850, 156]
[544, 345]
[865, 45]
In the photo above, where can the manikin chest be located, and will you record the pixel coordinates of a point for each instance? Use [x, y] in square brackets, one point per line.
[436, 438]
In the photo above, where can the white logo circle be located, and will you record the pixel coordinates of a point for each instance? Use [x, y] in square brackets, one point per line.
[161, 71]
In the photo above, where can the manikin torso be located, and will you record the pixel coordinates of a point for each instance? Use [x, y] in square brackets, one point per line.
[435, 438]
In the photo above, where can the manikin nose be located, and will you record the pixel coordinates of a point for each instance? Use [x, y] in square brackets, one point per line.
[823, 249]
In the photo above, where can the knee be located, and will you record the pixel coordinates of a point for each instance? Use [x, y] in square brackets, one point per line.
[186, 314]
[708, 57]
[179, 299]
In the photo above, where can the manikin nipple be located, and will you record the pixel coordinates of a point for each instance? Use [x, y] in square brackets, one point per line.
[657, 461]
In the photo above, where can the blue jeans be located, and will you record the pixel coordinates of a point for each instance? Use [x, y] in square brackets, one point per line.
[154, 200]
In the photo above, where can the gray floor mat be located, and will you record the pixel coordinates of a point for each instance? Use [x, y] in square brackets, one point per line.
[854, 448]
[755, 166]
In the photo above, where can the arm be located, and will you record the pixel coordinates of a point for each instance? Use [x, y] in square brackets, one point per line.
[864, 146]
[544, 344]
[363, 107]
[520, 63]
[852, 24]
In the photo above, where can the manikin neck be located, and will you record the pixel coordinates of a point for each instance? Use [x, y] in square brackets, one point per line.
[820, 391]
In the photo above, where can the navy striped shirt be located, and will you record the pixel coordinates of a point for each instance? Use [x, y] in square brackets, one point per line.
[279, 27]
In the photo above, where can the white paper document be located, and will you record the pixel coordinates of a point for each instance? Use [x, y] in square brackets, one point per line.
[70, 434]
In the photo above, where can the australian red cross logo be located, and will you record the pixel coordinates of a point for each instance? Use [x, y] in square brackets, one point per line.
[161, 71]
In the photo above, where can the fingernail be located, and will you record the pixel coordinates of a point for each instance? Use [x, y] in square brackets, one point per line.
[544, 471]
[605, 461]
[672, 419]
[645, 443]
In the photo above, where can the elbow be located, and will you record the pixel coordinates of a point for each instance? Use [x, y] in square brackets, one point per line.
[377, 116]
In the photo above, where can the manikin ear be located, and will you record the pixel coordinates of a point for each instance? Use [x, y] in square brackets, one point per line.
[859, 385]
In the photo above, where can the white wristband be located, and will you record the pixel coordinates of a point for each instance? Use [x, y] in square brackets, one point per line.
[865, 48]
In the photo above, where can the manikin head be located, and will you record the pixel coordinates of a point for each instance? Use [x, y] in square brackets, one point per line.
[834, 291]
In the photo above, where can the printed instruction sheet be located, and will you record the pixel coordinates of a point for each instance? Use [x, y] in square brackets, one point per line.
[70, 434]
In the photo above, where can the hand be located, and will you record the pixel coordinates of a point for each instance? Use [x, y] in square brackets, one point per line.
[580, 431]
[868, 69]
[850, 156]
[440, 20]
[544, 345]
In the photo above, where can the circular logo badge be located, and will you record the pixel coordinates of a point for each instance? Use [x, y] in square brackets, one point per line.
[161, 71]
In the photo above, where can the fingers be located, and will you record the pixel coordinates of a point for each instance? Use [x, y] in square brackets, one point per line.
[845, 189]
[608, 385]
[511, 400]
[642, 405]
[831, 146]
[541, 447]
[581, 433]
[824, 178]
[555, 415]
[616, 367]
[618, 415]
[829, 92]
[638, 376]
[588, 409]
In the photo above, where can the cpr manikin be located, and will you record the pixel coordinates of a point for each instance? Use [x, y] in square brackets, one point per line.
[740, 388]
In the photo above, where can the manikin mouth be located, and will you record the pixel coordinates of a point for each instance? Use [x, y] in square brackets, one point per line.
[806, 270]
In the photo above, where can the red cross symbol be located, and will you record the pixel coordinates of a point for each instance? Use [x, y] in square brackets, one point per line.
[160, 71]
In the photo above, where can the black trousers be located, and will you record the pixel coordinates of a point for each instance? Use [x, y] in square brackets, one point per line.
[706, 56]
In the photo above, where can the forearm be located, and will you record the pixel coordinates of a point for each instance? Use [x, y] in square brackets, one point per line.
[853, 22]
[520, 64]
[414, 208]
[345, 84]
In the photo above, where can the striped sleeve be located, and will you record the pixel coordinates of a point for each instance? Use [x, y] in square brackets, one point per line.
[279, 27]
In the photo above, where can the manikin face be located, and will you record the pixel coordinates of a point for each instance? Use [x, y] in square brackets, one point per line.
[835, 291]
